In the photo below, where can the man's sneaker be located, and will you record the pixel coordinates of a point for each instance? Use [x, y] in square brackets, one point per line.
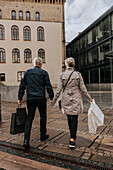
[44, 137]
[26, 144]
[71, 144]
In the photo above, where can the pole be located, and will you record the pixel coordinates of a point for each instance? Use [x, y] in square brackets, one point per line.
[0, 109]
[111, 70]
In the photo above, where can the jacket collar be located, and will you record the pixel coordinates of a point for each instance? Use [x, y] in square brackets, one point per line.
[69, 68]
[37, 67]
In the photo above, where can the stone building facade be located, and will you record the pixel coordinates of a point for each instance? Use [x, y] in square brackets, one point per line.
[31, 28]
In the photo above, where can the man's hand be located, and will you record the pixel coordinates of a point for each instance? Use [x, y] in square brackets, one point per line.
[51, 103]
[19, 101]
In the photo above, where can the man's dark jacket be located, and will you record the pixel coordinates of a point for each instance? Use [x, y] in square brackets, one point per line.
[35, 80]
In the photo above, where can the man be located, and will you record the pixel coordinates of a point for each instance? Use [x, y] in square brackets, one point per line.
[35, 81]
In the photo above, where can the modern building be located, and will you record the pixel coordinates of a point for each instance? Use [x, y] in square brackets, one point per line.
[31, 28]
[89, 49]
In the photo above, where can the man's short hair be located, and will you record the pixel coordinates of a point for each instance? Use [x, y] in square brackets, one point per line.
[37, 61]
[70, 62]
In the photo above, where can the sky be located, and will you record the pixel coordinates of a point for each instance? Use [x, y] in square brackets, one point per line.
[79, 14]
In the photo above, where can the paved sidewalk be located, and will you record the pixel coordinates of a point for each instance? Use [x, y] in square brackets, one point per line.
[98, 147]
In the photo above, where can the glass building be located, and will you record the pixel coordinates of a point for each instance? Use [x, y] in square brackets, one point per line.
[89, 49]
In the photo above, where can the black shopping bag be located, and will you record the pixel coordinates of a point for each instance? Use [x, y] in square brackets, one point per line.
[18, 120]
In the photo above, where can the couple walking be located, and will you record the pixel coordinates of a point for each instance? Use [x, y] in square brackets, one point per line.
[71, 85]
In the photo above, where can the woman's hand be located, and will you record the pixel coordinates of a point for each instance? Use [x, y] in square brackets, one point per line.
[51, 103]
[90, 101]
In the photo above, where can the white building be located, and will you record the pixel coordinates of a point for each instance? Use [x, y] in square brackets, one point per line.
[29, 29]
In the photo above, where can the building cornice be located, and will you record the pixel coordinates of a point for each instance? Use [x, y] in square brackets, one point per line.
[54, 2]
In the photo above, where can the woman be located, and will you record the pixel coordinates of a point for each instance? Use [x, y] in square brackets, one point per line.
[71, 97]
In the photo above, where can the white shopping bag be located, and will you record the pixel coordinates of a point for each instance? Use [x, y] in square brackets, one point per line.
[95, 117]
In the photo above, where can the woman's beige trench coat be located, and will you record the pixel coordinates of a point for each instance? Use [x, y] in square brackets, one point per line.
[71, 97]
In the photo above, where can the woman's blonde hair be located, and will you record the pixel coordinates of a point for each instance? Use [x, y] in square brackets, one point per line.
[70, 62]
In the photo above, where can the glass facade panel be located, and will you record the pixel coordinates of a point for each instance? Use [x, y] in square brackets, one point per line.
[85, 76]
[94, 35]
[94, 76]
[99, 32]
[112, 22]
[82, 61]
[105, 27]
[92, 56]
[89, 37]
[86, 62]
[105, 74]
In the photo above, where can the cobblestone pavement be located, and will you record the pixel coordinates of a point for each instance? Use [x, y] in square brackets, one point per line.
[97, 147]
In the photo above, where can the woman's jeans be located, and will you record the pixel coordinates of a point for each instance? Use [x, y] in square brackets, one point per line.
[72, 123]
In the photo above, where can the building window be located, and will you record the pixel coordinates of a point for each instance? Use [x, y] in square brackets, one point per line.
[2, 55]
[40, 34]
[27, 33]
[20, 74]
[20, 15]
[27, 15]
[2, 36]
[0, 14]
[14, 32]
[27, 56]
[13, 14]
[2, 76]
[41, 54]
[15, 55]
[37, 15]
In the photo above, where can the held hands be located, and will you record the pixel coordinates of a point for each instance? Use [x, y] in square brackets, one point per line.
[51, 103]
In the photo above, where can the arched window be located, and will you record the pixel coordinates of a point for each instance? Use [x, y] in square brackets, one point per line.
[40, 34]
[14, 32]
[2, 33]
[0, 14]
[37, 16]
[41, 54]
[13, 14]
[15, 55]
[27, 33]
[27, 56]
[2, 55]
[20, 15]
[27, 15]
